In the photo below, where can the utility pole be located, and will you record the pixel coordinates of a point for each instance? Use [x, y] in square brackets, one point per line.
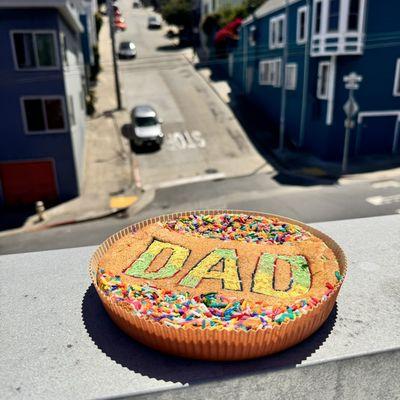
[112, 36]
[351, 109]
[283, 80]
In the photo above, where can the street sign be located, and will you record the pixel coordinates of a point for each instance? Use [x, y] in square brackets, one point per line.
[351, 107]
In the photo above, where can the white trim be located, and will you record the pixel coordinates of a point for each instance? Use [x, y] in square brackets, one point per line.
[274, 24]
[342, 41]
[293, 67]
[300, 11]
[43, 97]
[321, 65]
[34, 32]
[396, 84]
[331, 91]
[271, 77]
[387, 113]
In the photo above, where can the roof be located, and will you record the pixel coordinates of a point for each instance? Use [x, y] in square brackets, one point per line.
[268, 7]
[144, 111]
[68, 9]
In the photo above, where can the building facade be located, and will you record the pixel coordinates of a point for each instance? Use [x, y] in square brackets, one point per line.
[42, 102]
[292, 59]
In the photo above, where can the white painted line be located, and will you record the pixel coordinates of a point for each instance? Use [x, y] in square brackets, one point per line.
[385, 184]
[185, 181]
[381, 200]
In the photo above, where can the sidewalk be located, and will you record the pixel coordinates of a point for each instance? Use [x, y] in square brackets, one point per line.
[108, 159]
[295, 163]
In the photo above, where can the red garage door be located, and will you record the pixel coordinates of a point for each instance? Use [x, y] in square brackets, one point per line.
[24, 183]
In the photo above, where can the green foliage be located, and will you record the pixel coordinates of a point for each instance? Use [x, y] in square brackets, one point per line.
[177, 12]
[229, 13]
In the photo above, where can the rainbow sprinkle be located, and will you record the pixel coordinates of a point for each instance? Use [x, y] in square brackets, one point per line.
[211, 310]
[241, 227]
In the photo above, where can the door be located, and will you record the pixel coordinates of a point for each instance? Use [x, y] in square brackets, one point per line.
[24, 183]
[377, 135]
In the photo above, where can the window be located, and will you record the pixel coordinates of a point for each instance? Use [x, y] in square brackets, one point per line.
[323, 80]
[291, 76]
[270, 72]
[318, 15]
[396, 86]
[43, 115]
[334, 12]
[354, 9]
[277, 28]
[63, 41]
[252, 35]
[302, 25]
[34, 50]
[71, 110]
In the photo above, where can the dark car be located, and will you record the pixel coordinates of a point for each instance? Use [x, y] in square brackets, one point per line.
[127, 50]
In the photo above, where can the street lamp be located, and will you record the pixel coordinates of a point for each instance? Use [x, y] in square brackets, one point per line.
[351, 109]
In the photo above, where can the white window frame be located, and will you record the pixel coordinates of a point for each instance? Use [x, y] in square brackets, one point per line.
[33, 32]
[320, 95]
[274, 42]
[46, 131]
[300, 11]
[314, 20]
[293, 68]
[272, 76]
[396, 85]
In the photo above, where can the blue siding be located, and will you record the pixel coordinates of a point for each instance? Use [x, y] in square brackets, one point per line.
[376, 65]
[15, 144]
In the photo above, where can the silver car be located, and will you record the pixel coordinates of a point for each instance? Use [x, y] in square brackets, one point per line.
[154, 22]
[146, 126]
[127, 50]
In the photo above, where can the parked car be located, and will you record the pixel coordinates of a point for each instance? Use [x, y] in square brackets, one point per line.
[119, 23]
[154, 22]
[127, 50]
[146, 126]
[137, 4]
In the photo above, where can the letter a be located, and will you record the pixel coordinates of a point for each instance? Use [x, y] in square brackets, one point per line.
[264, 276]
[229, 275]
[173, 265]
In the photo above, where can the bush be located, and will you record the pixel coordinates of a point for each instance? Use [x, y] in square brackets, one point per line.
[177, 12]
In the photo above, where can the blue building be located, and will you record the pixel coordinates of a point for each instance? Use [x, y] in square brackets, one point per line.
[292, 58]
[41, 101]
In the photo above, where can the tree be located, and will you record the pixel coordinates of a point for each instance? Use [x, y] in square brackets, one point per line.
[177, 12]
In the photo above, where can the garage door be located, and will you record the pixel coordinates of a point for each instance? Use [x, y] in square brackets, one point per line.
[25, 183]
[377, 135]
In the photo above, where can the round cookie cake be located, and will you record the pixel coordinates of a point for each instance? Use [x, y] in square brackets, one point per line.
[218, 285]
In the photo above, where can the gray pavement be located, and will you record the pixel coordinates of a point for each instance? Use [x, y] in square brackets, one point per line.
[57, 341]
[201, 132]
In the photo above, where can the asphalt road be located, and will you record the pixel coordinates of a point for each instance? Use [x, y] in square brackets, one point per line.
[305, 200]
[203, 139]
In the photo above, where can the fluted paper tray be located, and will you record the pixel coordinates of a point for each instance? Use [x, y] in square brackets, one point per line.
[222, 344]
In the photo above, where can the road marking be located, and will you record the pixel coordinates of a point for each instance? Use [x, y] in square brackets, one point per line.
[184, 140]
[385, 184]
[381, 200]
[185, 181]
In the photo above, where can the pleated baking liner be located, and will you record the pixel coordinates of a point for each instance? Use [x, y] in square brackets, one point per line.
[222, 344]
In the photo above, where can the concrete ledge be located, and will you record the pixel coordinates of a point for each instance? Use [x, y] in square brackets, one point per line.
[373, 376]
[58, 342]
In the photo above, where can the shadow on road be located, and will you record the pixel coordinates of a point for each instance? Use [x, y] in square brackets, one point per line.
[141, 359]
[264, 135]
[171, 47]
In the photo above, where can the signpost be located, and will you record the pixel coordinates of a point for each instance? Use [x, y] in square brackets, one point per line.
[351, 109]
